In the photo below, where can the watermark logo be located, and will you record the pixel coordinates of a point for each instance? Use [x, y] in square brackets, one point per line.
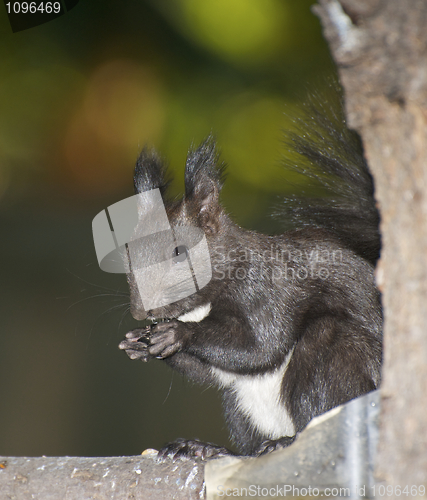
[168, 264]
[171, 262]
[25, 15]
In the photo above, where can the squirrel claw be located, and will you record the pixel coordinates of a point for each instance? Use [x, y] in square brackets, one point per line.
[136, 344]
[191, 449]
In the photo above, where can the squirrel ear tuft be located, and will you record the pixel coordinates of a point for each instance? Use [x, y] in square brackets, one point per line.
[150, 172]
[204, 174]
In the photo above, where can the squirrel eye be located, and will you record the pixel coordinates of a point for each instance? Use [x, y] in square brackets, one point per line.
[179, 254]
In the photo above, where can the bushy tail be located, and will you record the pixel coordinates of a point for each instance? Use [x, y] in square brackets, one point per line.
[331, 156]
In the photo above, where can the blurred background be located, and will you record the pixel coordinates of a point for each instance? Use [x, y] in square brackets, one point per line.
[79, 97]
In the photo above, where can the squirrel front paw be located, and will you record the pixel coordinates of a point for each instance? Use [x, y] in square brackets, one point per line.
[136, 344]
[167, 338]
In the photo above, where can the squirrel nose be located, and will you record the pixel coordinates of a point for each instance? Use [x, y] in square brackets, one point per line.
[138, 313]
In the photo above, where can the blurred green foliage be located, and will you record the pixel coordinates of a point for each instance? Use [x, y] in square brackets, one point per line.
[79, 97]
[82, 94]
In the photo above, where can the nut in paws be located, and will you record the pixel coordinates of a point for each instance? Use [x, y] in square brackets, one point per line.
[136, 344]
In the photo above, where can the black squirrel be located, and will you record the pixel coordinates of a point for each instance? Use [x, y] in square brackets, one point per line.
[290, 325]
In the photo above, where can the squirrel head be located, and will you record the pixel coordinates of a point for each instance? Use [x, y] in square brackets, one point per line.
[174, 261]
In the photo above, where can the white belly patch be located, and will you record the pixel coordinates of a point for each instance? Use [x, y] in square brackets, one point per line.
[197, 314]
[258, 397]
